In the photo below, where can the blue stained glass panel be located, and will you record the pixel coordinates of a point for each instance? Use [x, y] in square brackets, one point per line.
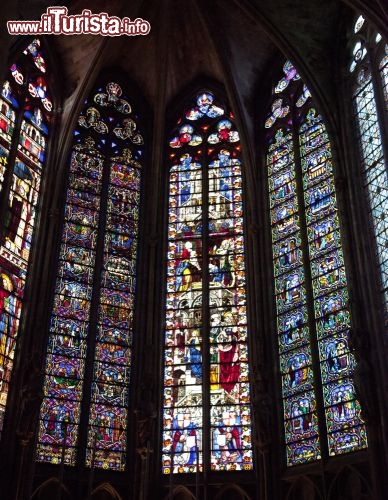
[86, 228]
[208, 178]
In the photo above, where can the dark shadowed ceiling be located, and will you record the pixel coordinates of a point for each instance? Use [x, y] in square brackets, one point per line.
[235, 42]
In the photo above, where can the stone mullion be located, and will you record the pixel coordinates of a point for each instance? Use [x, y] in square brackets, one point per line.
[205, 314]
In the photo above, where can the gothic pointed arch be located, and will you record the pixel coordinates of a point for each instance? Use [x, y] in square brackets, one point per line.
[50, 489]
[232, 492]
[303, 488]
[350, 483]
[105, 491]
[321, 412]
[84, 413]
[206, 409]
[180, 493]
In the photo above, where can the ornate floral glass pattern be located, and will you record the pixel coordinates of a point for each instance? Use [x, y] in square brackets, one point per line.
[206, 351]
[97, 269]
[24, 129]
[313, 319]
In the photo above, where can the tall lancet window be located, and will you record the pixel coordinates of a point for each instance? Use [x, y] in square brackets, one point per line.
[369, 73]
[92, 318]
[206, 415]
[321, 413]
[25, 117]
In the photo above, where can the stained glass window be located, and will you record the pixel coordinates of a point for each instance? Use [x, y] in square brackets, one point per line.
[25, 117]
[92, 317]
[206, 413]
[369, 73]
[312, 303]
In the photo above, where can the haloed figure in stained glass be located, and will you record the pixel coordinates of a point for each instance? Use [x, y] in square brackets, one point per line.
[301, 328]
[307, 236]
[205, 302]
[96, 272]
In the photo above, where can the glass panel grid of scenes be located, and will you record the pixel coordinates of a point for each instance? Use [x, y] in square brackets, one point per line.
[106, 140]
[183, 398]
[230, 428]
[299, 401]
[107, 426]
[60, 411]
[346, 430]
[110, 387]
[230, 414]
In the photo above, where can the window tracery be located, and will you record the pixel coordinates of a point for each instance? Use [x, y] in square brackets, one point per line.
[312, 302]
[206, 414]
[92, 319]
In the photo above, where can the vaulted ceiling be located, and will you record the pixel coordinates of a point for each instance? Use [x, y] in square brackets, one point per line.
[235, 42]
